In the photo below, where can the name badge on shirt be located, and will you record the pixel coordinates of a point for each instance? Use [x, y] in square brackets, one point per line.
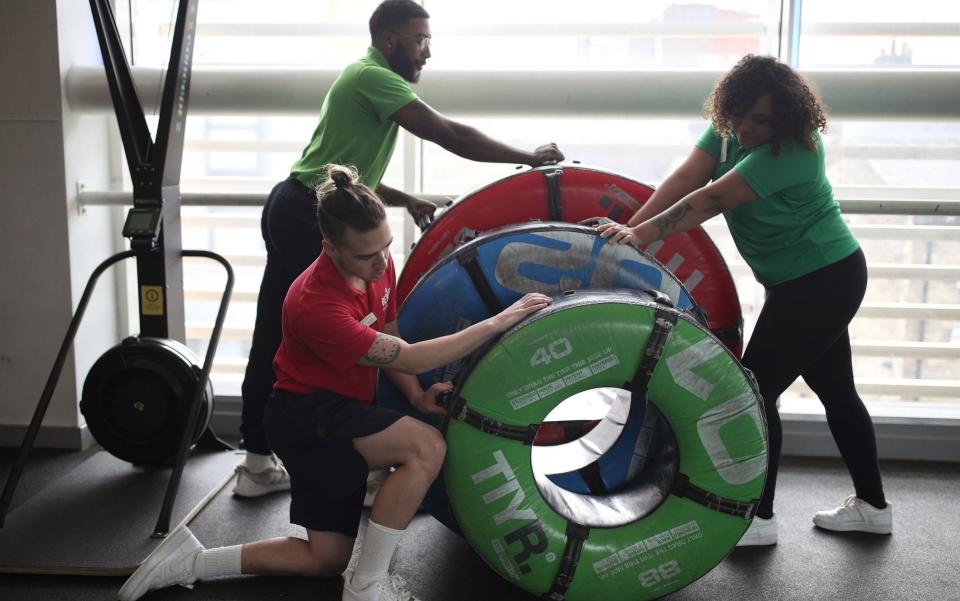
[369, 319]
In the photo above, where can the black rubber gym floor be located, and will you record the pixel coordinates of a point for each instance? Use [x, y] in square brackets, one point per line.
[921, 560]
[103, 494]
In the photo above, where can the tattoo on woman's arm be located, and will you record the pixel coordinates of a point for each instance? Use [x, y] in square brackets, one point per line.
[667, 222]
[384, 350]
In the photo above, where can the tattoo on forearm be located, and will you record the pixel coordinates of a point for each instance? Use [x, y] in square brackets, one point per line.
[667, 222]
[385, 350]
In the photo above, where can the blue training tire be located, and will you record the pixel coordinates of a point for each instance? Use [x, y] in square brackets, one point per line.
[491, 272]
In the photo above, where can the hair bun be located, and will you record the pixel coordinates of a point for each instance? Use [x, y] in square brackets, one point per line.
[341, 176]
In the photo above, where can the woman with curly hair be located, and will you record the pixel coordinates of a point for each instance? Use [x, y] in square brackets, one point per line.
[761, 164]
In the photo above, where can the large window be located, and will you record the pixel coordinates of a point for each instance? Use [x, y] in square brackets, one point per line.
[606, 34]
[883, 35]
[907, 335]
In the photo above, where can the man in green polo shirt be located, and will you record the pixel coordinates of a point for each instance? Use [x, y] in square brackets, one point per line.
[359, 121]
[356, 127]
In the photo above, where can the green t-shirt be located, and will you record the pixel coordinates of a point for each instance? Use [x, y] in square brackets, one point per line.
[794, 227]
[355, 126]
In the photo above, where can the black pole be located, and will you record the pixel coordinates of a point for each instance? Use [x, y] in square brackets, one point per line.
[167, 152]
[163, 273]
[14, 478]
[163, 521]
[134, 132]
[154, 165]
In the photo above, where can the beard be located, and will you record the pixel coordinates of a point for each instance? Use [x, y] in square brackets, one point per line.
[401, 64]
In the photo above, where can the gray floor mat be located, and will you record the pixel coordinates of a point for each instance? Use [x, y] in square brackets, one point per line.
[97, 520]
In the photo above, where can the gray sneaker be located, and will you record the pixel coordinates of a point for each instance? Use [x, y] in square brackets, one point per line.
[389, 588]
[172, 562]
[256, 484]
[762, 532]
[856, 515]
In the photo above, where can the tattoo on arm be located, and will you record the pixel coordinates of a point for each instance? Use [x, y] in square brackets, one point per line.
[384, 350]
[667, 222]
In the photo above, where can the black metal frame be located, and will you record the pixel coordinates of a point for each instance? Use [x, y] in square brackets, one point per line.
[154, 165]
[155, 171]
[163, 521]
[30, 437]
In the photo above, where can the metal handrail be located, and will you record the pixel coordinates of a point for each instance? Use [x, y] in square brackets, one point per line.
[870, 310]
[722, 29]
[905, 387]
[837, 151]
[873, 231]
[905, 205]
[908, 271]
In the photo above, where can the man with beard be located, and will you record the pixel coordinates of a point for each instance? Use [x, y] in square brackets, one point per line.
[359, 121]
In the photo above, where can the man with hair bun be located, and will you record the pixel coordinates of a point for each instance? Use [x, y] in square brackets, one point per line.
[339, 328]
[359, 121]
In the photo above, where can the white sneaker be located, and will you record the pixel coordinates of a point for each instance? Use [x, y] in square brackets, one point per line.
[256, 484]
[761, 532]
[374, 479]
[172, 562]
[856, 515]
[389, 588]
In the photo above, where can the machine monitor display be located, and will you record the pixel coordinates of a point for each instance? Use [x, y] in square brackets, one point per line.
[142, 223]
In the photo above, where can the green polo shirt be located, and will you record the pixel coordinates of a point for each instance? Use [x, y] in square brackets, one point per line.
[794, 227]
[355, 126]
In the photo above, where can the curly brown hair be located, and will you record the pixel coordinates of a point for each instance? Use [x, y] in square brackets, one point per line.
[797, 109]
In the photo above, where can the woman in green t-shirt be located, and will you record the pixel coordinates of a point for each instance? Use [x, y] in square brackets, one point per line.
[761, 165]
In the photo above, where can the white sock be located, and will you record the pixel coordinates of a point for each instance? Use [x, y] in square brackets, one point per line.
[256, 463]
[379, 543]
[221, 561]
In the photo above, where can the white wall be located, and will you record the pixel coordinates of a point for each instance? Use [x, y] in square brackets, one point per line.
[47, 248]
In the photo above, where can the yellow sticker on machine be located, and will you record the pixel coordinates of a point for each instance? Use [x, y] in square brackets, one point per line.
[151, 300]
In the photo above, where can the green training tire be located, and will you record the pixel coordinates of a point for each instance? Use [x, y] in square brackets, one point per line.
[592, 340]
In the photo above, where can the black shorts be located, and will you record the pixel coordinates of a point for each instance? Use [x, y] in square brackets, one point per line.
[313, 436]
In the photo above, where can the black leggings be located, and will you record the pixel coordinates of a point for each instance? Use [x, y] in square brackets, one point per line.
[293, 241]
[802, 331]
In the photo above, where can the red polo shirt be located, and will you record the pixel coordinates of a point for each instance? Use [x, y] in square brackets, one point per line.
[327, 329]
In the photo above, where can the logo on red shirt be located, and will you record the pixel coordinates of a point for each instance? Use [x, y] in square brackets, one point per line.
[385, 299]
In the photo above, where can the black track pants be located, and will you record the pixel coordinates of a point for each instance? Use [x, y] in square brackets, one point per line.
[802, 331]
[293, 241]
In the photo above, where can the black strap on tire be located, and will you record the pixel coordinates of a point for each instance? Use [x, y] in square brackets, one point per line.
[576, 537]
[453, 404]
[554, 201]
[729, 335]
[457, 409]
[663, 322]
[683, 488]
[524, 434]
[593, 479]
[468, 260]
